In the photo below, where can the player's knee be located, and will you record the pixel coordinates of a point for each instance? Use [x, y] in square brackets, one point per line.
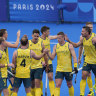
[69, 85]
[58, 85]
[6, 93]
[50, 78]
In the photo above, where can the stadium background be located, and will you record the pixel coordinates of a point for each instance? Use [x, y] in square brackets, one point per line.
[47, 12]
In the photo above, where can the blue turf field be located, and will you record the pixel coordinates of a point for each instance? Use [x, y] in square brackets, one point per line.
[72, 30]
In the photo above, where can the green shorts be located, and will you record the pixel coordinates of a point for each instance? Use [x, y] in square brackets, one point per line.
[51, 68]
[61, 75]
[89, 67]
[3, 83]
[18, 82]
[36, 74]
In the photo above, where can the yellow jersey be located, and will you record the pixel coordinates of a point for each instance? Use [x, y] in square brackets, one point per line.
[3, 60]
[89, 50]
[6, 51]
[23, 63]
[93, 34]
[64, 60]
[37, 48]
[46, 43]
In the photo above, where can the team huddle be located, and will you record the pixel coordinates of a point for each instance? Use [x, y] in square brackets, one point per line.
[34, 56]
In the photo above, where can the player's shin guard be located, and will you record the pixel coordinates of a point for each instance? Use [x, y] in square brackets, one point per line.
[51, 87]
[37, 91]
[71, 91]
[82, 86]
[41, 86]
[28, 94]
[14, 94]
[57, 92]
[89, 81]
[33, 91]
[10, 90]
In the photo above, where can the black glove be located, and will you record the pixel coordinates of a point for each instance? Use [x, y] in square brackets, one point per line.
[75, 69]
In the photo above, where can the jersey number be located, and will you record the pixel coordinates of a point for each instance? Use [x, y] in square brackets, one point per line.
[23, 63]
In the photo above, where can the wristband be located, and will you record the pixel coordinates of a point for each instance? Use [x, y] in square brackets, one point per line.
[75, 64]
[6, 65]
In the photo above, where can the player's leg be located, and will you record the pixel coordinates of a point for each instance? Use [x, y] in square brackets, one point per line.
[3, 86]
[38, 77]
[16, 84]
[94, 71]
[68, 78]
[51, 82]
[10, 89]
[89, 81]
[27, 85]
[32, 82]
[58, 80]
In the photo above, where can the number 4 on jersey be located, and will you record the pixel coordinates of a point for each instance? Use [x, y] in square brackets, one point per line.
[23, 63]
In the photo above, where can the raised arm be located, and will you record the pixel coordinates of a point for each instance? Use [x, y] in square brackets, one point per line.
[52, 56]
[52, 37]
[15, 45]
[74, 44]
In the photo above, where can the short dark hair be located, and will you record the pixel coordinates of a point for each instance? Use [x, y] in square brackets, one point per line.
[24, 41]
[36, 31]
[2, 31]
[87, 29]
[87, 23]
[1, 39]
[61, 33]
[44, 28]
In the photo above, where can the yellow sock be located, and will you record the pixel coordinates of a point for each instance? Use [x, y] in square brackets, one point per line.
[71, 91]
[28, 94]
[33, 91]
[82, 86]
[0, 94]
[9, 89]
[89, 81]
[37, 91]
[57, 92]
[41, 86]
[95, 81]
[51, 87]
[14, 94]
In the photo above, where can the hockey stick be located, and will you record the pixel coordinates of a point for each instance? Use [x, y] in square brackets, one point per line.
[74, 71]
[46, 84]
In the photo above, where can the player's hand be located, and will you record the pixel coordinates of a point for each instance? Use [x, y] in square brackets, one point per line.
[45, 51]
[75, 69]
[44, 64]
[79, 61]
[18, 33]
[47, 68]
[11, 65]
[66, 38]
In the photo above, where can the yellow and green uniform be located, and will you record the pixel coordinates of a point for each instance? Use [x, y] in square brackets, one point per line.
[46, 43]
[36, 66]
[90, 56]
[90, 60]
[64, 66]
[3, 71]
[64, 62]
[23, 64]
